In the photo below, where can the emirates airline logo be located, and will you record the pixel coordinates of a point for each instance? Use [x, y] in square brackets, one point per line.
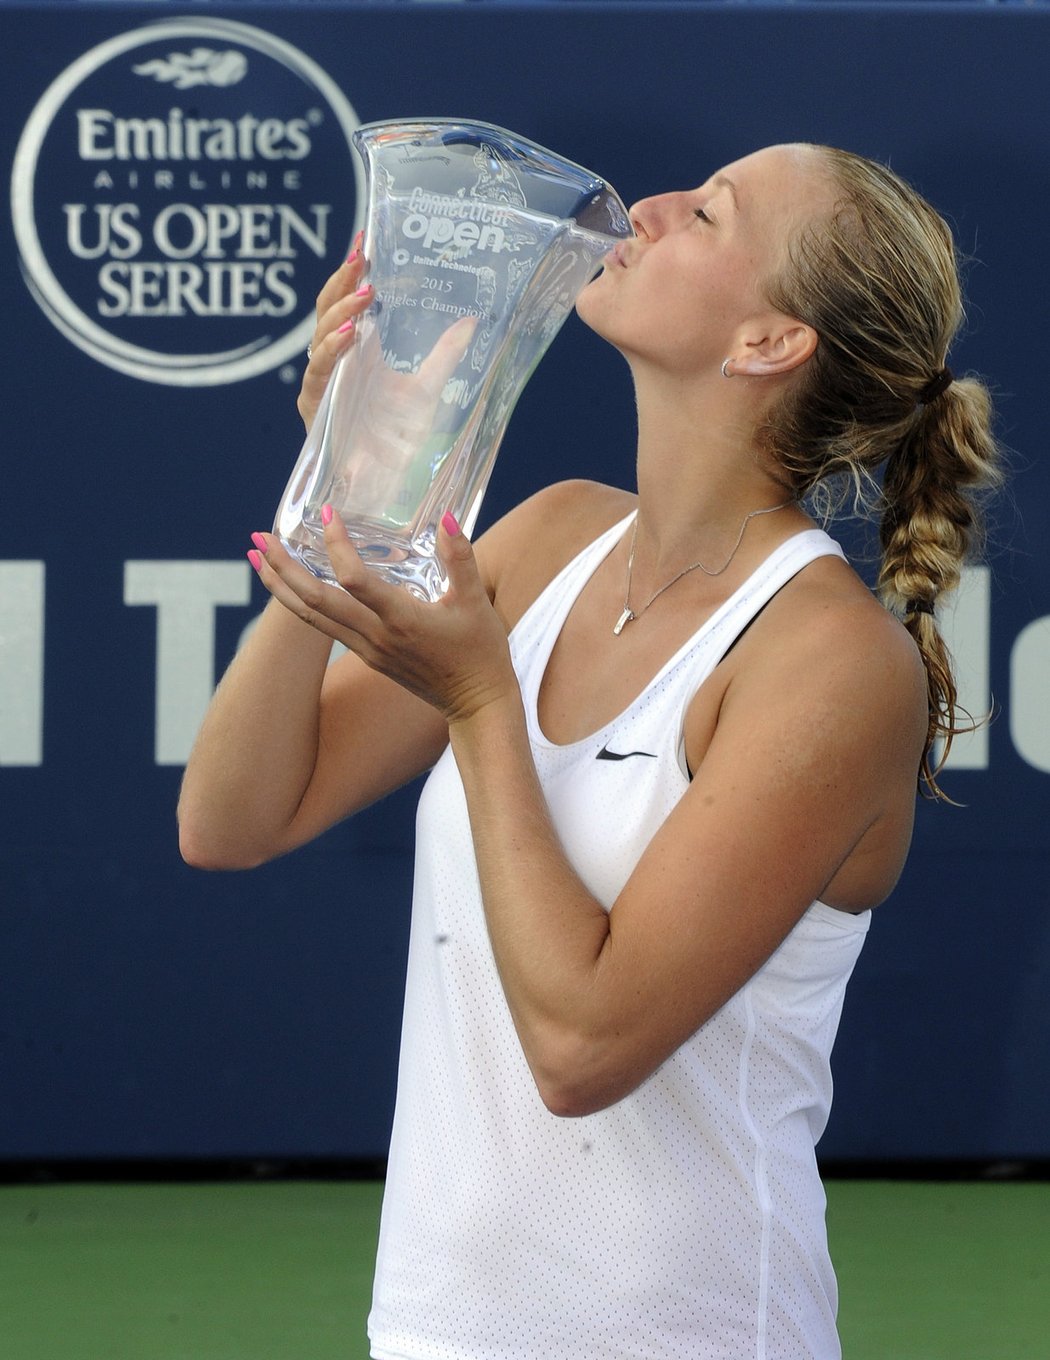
[179, 192]
[199, 67]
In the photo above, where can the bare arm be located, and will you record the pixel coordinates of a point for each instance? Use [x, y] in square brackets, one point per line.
[291, 745]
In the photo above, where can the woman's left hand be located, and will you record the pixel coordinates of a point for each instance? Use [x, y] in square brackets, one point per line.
[452, 653]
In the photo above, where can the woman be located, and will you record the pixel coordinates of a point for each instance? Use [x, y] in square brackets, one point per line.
[663, 808]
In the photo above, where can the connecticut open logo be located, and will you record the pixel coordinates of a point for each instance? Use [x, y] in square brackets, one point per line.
[179, 193]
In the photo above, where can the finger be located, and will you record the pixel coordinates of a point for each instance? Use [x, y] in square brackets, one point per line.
[325, 351]
[322, 606]
[348, 308]
[456, 554]
[334, 334]
[330, 341]
[349, 302]
[382, 598]
[281, 591]
[345, 279]
[449, 349]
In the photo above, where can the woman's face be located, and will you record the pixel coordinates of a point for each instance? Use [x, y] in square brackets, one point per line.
[693, 277]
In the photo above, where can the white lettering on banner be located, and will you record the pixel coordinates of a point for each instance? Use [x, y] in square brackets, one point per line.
[1029, 705]
[966, 624]
[145, 288]
[251, 233]
[184, 229]
[103, 136]
[185, 595]
[114, 233]
[21, 663]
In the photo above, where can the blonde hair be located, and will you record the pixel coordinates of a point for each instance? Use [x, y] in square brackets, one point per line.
[878, 281]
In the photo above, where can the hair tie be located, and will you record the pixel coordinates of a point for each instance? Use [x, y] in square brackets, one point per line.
[919, 607]
[940, 382]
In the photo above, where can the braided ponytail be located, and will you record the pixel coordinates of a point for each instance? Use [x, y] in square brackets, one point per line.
[930, 524]
[879, 284]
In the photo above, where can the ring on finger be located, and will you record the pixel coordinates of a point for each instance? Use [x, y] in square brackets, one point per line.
[309, 352]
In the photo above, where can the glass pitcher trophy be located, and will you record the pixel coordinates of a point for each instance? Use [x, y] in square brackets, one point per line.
[478, 243]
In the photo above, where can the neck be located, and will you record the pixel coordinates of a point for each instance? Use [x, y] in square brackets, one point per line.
[698, 477]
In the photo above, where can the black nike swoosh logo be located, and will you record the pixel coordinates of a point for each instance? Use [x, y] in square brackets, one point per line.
[606, 754]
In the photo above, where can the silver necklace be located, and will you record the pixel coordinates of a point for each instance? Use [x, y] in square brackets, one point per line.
[629, 614]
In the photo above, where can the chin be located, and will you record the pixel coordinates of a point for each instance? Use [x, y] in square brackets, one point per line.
[589, 308]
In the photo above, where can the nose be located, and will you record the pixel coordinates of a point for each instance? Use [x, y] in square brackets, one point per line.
[650, 217]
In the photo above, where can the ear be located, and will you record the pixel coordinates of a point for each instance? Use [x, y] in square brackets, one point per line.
[772, 344]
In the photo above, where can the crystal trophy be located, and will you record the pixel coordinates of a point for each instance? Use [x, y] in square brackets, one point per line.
[478, 243]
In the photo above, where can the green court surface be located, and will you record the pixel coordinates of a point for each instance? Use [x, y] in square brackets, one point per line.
[281, 1270]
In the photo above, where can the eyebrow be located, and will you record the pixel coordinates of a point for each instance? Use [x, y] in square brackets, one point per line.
[724, 182]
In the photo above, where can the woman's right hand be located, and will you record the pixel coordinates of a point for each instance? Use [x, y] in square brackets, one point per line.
[340, 302]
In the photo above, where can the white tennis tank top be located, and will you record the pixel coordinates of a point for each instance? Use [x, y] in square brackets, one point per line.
[685, 1221]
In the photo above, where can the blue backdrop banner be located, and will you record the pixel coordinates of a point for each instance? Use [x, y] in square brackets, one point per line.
[180, 184]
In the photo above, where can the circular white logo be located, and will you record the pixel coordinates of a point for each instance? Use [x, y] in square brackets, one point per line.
[178, 194]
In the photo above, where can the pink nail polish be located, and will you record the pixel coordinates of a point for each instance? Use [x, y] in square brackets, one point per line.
[255, 559]
[326, 515]
[448, 523]
[364, 290]
[260, 543]
[346, 327]
[352, 256]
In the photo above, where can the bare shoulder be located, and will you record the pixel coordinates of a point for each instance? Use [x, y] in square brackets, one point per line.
[829, 654]
[813, 736]
[832, 614]
[524, 551]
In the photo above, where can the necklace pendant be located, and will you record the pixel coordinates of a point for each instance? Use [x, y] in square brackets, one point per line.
[624, 619]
